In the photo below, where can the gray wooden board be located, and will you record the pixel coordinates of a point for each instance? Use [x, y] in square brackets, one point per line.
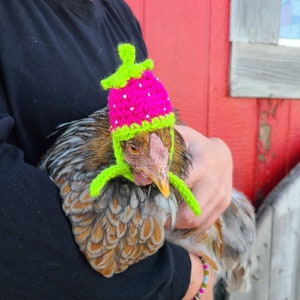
[276, 259]
[285, 256]
[255, 21]
[260, 260]
[264, 71]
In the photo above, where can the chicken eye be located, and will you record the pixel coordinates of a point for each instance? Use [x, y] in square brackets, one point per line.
[133, 149]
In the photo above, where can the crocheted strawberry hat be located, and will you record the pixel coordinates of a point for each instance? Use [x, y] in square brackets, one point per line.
[137, 102]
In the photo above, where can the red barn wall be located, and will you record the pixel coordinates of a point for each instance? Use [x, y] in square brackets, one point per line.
[189, 43]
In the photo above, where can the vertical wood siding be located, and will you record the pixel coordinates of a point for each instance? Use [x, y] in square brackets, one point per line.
[189, 43]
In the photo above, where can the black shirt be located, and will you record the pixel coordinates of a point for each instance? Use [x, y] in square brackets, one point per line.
[53, 53]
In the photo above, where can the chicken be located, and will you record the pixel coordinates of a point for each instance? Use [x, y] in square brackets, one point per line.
[119, 192]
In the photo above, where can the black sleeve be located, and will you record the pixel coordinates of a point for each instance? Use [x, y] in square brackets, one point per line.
[46, 80]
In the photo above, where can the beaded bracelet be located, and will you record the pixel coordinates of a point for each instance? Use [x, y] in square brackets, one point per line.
[205, 279]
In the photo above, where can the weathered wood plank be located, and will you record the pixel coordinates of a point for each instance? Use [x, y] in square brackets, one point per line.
[285, 259]
[255, 21]
[260, 259]
[264, 71]
[276, 261]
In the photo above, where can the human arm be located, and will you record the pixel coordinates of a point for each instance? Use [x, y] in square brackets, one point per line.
[196, 279]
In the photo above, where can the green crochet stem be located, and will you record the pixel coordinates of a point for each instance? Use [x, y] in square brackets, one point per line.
[185, 193]
[106, 175]
[127, 70]
[101, 180]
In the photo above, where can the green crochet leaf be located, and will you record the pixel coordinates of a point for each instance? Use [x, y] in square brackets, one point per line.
[128, 69]
[106, 175]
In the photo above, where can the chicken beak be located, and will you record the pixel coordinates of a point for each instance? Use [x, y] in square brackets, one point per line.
[162, 183]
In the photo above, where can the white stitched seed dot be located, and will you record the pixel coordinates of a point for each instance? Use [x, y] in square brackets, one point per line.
[114, 106]
[140, 85]
[131, 108]
[165, 109]
[157, 78]
[124, 96]
[116, 122]
[149, 94]
[147, 116]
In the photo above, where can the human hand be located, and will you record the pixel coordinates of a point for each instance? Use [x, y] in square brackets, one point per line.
[209, 178]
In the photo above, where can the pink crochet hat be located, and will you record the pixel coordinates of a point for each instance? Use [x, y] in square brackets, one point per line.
[137, 103]
[142, 99]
